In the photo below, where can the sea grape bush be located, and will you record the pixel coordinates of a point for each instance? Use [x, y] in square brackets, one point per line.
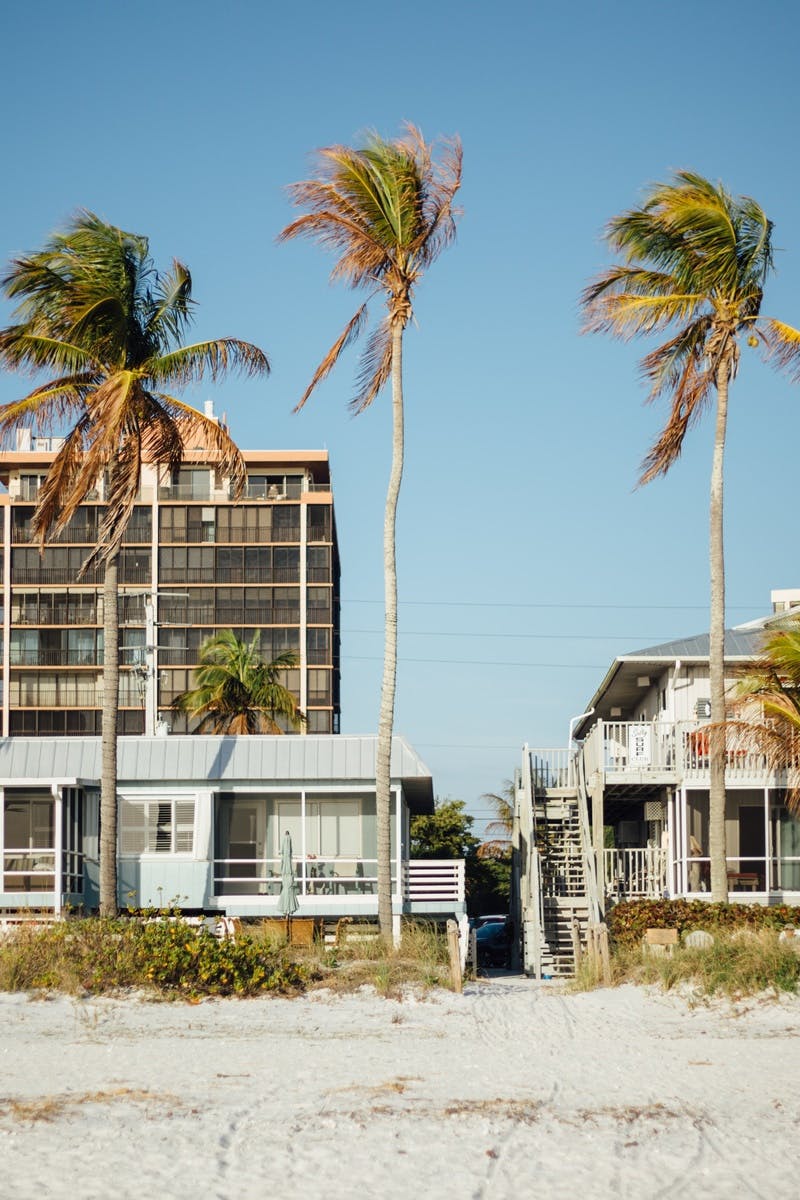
[168, 955]
[628, 920]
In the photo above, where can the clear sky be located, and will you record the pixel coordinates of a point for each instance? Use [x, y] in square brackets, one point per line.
[527, 560]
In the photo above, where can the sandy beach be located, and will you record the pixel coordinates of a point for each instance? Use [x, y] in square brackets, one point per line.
[512, 1089]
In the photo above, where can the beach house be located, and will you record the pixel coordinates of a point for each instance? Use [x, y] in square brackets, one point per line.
[622, 812]
[202, 820]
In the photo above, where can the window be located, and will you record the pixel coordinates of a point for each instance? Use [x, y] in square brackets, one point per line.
[156, 826]
[319, 564]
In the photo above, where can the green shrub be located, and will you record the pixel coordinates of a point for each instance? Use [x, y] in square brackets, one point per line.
[96, 955]
[628, 921]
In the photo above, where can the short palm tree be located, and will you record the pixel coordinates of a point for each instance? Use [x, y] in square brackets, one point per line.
[497, 833]
[386, 209]
[236, 691]
[695, 260]
[94, 313]
[774, 686]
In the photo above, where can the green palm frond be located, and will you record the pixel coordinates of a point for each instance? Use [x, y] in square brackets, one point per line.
[190, 364]
[22, 350]
[782, 345]
[694, 260]
[171, 307]
[236, 691]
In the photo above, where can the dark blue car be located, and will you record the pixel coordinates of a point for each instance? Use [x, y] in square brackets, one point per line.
[493, 943]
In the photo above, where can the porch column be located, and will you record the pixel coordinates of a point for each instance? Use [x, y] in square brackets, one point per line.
[682, 840]
[767, 844]
[672, 844]
[598, 827]
[398, 824]
[304, 863]
[58, 846]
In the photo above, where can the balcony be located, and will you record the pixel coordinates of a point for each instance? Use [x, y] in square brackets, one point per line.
[424, 881]
[650, 752]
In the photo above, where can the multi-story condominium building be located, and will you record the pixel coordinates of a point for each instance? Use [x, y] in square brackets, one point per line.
[622, 812]
[193, 561]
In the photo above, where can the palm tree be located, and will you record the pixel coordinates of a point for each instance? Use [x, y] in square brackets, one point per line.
[497, 833]
[387, 210]
[236, 692]
[774, 686]
[93, 311]
[694, 261]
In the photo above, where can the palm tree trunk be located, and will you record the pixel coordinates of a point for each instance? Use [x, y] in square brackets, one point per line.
[716, 649]
[108, 781]
[383, 757]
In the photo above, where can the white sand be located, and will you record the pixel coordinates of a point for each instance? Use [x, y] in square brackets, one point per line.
[509, 1090]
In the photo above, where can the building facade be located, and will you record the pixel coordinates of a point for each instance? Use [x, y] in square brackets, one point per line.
[202, 822]
[193, 561]
[623, 812]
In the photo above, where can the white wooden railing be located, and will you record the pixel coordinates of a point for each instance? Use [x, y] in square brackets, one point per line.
[638, 872]
[674, 749]
[426, 879]
[551, 769]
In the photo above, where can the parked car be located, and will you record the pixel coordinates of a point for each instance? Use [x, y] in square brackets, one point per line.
[493, 943]
[476, 922]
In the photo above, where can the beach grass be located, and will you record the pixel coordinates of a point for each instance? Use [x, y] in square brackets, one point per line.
[737, 964]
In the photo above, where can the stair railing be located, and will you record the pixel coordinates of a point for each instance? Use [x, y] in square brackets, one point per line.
[587, 850]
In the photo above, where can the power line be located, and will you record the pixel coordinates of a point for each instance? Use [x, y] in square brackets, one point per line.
[471, 662]
[585, 637]
[562, 604]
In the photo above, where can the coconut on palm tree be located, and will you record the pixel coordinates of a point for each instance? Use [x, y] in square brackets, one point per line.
[237, 692]
[694, 262]
[93, 312]
[386, 209]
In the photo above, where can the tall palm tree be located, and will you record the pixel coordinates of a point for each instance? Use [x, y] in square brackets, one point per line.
[236, 691]
[694, 261]
[93, 311]
[386, 209]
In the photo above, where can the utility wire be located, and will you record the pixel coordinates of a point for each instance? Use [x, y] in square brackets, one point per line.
[570, 637]
[562, 604]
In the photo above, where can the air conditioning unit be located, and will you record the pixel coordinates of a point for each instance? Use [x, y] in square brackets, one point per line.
[702, 710]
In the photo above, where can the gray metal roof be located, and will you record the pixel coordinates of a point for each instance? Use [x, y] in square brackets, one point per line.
[313, 759]
[743, 642]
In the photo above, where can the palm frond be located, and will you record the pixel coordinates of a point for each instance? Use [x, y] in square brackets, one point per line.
[171, 311]
[782, 345]
[348, 335]
[200, 434]
[21, 350]
[45, 408]
[190, 364]
[375, 367]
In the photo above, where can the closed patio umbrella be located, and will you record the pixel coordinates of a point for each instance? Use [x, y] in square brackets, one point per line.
[287, 901]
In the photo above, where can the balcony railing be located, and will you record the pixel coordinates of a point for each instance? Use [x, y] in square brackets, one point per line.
[551, 768]
[424, 880]
[186, 491]
[638, 873]
[55, 658]
[667, 750]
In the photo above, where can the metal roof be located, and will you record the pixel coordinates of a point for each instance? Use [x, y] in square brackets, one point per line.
[313, 759]
[620, 686]
[743, 642]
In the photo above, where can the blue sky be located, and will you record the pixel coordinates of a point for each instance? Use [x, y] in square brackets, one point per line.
[527, 560]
